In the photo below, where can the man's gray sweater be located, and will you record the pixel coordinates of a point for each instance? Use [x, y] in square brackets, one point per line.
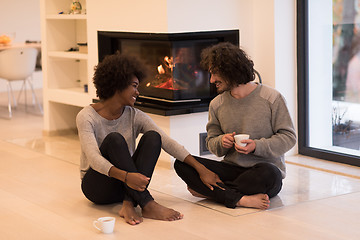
[263, 115]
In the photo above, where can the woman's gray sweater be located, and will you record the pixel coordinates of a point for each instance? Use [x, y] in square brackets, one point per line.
[93, 128]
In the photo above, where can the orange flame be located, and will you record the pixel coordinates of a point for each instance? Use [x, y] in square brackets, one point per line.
[161, 69]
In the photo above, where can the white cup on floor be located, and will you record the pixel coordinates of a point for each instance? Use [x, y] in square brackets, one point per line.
[105, 224]
[240, 137]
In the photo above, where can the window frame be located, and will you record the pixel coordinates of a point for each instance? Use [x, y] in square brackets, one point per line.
[302, 24]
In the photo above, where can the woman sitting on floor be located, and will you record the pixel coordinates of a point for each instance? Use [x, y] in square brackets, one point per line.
[113, 169]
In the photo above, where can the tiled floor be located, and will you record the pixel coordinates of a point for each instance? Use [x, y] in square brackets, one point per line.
[40, 197]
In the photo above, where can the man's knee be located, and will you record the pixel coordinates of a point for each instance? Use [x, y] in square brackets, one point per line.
[265, 175]
[177, 164]
[271, 176]
[179, 167]
[269, 169]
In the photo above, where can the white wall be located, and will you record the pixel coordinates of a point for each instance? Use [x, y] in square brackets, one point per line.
[285, 56]
[21, 17]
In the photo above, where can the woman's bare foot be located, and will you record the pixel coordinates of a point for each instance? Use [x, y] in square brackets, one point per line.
[156, 211]
[129, 214]
[195, 194]
[260, 201]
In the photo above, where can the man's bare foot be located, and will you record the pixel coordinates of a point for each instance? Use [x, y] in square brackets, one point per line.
[129, 214]
[156, 211]
[260, 201]
[195, 194]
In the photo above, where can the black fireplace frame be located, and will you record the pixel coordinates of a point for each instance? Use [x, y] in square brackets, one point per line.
[108, 44]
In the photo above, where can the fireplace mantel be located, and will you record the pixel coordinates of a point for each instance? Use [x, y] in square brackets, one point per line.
[171, 111]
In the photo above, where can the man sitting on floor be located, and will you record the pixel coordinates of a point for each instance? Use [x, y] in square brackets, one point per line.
[249, 175]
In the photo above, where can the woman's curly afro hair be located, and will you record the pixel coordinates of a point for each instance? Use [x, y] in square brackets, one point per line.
[230, 62]
[115, 73]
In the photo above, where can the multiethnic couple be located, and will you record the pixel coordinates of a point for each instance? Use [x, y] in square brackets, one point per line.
[114, 169]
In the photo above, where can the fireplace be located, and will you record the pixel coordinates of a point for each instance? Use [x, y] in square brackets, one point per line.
[176, 84]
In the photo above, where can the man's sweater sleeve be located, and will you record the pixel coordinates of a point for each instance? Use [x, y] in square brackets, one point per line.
[214, 131]
[284, 137]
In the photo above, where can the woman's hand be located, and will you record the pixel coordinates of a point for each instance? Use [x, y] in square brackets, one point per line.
[210, 179]
[134, 180]
[227, 140]
[137, 181]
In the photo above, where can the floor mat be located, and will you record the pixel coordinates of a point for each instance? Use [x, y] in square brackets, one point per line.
[296, 188]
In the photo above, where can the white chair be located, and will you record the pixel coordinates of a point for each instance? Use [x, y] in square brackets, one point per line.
[18, 64]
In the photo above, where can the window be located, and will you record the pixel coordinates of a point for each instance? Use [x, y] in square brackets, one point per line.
[329, 79]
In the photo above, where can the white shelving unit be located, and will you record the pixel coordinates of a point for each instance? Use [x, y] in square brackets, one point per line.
[65, 72]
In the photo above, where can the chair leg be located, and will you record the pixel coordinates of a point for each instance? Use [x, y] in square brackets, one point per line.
[23, 88]
[10, 94]
[34, 96]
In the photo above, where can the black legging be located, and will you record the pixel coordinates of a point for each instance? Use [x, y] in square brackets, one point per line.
[102, 189]
[238, 181]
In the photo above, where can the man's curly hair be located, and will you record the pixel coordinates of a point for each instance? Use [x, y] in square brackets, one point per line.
[115, 73]
[230, 62]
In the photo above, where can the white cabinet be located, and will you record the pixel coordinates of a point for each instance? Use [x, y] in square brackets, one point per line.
[65, 72]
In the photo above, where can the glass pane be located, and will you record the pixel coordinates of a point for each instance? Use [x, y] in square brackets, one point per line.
[174, 67]
[334, 75]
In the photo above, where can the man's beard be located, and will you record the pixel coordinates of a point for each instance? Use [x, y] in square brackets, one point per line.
[224, 89]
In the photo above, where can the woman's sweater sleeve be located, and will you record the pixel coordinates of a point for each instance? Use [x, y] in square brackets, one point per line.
[90, 156]
[169, 145]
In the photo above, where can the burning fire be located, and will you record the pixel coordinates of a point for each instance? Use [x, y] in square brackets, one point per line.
[161, 70]
[169, 65]
[169, 62]
[165, 71]
[173, 75]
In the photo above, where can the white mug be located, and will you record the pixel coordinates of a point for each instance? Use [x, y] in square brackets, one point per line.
[105, 224]
[240, 137]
